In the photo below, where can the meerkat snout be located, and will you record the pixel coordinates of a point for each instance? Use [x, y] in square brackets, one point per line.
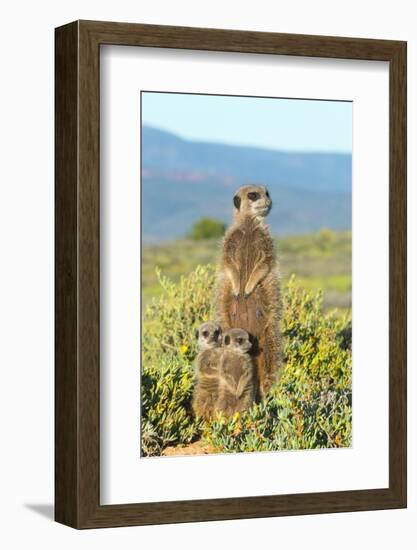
[253, 200]
[238, 340]
[209, 335]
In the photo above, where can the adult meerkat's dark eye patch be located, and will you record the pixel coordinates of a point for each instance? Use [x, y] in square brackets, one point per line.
[227, 340]
[253, 196]
[205, 333]
[267, 194]
[240, 340]
[236, 201]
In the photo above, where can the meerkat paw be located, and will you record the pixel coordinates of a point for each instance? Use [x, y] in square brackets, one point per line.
[248, 292]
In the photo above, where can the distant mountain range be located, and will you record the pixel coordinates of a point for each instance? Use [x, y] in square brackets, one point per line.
[183, 181]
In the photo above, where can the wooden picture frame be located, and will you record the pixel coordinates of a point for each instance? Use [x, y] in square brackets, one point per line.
[77, 373]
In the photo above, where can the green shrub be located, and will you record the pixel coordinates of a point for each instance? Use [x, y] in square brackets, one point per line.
[168, 351]
[309, 407]
[166, 394]
[207, 228]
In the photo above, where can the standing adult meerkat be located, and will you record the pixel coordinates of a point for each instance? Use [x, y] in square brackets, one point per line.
[248, 292]
[206, 389]
[237, 380]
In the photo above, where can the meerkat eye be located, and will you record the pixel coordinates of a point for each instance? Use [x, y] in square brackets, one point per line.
[239, 341]
[205, 333]
[253, 196]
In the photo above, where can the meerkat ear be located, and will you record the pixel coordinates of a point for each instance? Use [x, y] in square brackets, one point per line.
[236, 202]
[196, 334]
[226, 340]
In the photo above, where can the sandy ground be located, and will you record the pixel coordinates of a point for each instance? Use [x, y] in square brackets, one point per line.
[196, 448]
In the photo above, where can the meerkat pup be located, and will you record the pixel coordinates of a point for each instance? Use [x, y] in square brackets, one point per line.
[248, 292]
[209, 336]
[236, 373]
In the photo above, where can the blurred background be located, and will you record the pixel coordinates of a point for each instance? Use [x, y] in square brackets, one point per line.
[198, 149]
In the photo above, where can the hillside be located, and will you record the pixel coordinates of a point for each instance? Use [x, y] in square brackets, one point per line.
[184, 180]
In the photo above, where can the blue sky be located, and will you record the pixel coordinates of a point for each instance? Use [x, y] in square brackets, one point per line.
[282, 124]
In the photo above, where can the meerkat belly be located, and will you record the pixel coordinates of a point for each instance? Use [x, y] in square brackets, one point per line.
[250, 312]
[246, 256]
[237, 384]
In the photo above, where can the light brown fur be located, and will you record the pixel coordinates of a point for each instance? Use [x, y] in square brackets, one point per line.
[236, 374]
[206, 388]
[248, 291]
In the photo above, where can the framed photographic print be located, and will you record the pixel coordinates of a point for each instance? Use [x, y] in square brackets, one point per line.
[230, 274]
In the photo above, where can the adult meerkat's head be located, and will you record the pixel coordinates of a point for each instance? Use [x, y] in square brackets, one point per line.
[238, 340]
[209, 335]
[252, 200]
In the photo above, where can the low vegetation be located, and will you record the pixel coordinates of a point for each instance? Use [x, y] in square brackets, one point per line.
[309, 407]
[320, 260]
